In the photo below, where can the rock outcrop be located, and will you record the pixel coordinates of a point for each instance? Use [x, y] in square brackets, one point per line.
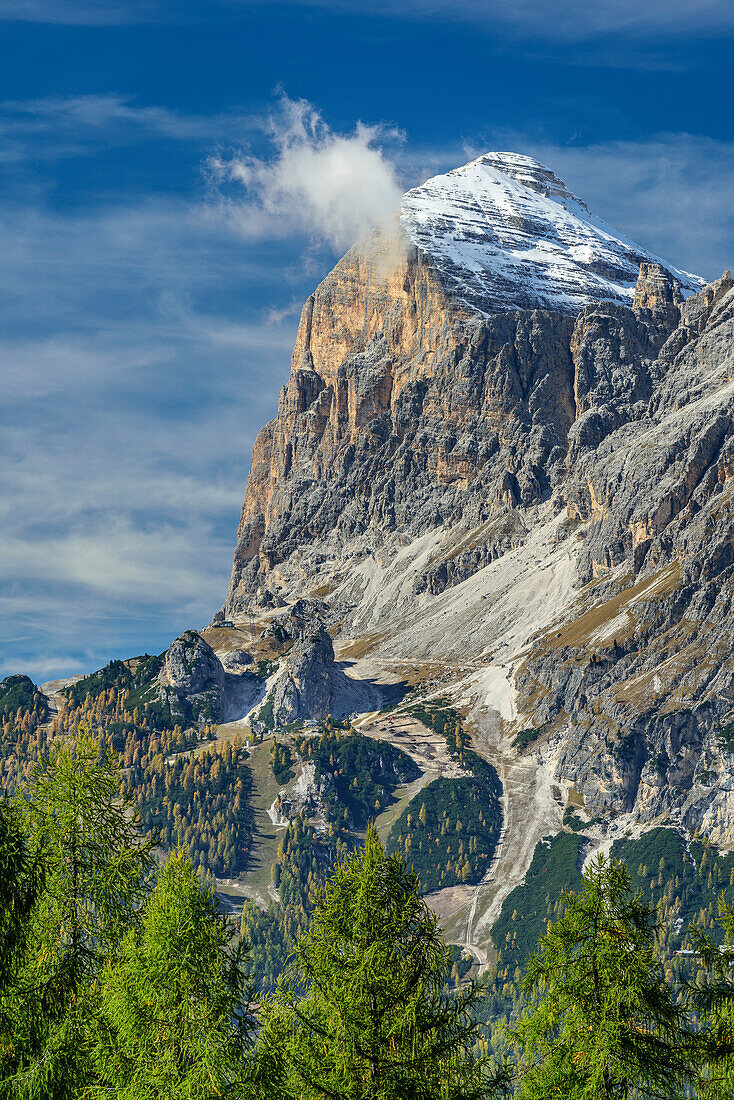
[305, 689]
[313, 686]
[191, 681]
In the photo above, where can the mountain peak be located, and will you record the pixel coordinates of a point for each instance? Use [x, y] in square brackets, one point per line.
[527, 171]
[504, 232]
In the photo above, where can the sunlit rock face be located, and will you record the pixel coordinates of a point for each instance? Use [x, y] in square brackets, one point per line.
[505, 448]
[191, 682]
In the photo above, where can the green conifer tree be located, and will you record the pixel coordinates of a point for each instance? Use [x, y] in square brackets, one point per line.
[374, 1021]
[175, 1005]
[605, 1024]
[95, 872]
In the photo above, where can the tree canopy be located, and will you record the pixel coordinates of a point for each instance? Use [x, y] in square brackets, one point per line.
[375, 1022]
[606, 1023]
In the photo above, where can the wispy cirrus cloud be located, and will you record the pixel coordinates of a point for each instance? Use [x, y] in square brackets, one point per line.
[86, 12]
[54, 127]
[138, 364]
[569, 20]
[143, 346]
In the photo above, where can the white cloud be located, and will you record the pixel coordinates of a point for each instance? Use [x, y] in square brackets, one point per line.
[333, 187]
[39, 668]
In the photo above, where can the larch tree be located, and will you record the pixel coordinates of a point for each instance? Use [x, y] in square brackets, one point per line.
[95, 869]
[605, 1024]
[175, 1005]
[367, 1015]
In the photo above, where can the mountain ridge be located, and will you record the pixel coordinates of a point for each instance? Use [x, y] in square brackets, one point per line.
[529, 512]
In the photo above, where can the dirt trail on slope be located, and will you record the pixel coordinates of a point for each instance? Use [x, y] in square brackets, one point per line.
[405, 732]
[530, 812]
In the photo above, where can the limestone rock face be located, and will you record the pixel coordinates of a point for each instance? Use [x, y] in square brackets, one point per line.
[536, 501]
[402, 410]
[646, 674]
[305, 688]
[656, 290]
[192, 679]
[313, 686]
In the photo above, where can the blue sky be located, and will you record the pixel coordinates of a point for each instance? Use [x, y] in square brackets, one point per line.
[175, 177]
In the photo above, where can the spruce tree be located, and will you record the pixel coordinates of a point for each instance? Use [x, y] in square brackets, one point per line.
[95, 871]
[606, 1025]
[175, 1012]
[374, 1021]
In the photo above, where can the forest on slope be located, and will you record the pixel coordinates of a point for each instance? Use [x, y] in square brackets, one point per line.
[194, 793]
[121, 977]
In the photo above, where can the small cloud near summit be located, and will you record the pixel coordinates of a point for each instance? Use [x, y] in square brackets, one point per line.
[333, 187]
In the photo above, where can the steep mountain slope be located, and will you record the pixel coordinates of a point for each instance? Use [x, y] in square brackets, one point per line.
[505, 233]
[503, 461]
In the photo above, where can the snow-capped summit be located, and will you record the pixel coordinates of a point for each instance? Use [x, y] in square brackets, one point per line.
[505, 233]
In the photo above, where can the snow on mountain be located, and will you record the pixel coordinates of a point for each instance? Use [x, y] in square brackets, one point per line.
[505, 233]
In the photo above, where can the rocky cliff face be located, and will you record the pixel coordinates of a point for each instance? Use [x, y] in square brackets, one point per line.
[403, 411]
[191, 681]
[197, 687]
[519, 468]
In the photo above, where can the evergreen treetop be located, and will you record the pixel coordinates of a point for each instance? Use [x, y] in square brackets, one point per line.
[606, 1023]
[375, 1022]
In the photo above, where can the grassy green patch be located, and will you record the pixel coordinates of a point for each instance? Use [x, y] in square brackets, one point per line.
[264, 720]
[725, 736]
[266, 668]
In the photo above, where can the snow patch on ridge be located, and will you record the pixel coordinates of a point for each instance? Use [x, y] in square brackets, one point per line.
[505, 233]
